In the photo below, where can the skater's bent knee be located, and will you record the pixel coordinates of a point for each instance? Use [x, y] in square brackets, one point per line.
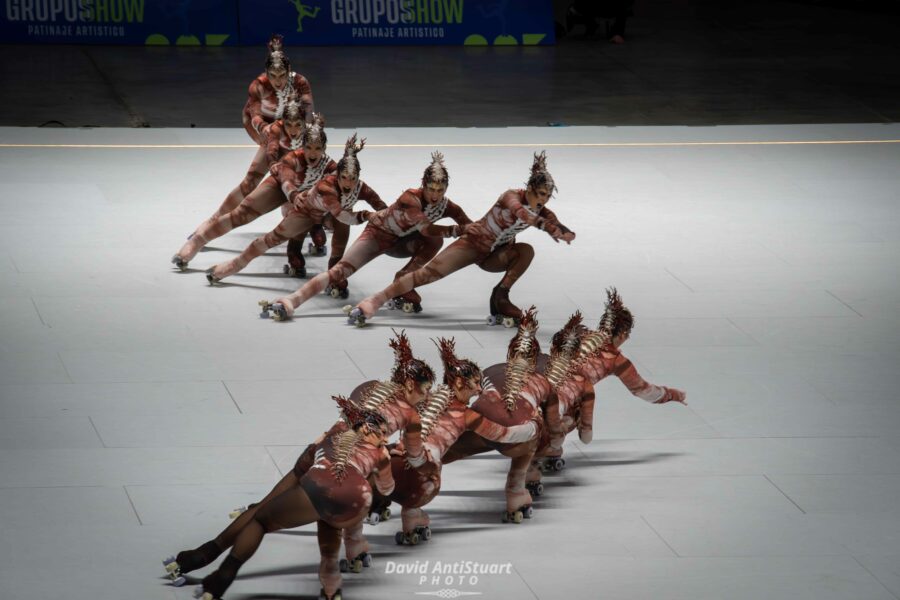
[242, 215]
[524, 251]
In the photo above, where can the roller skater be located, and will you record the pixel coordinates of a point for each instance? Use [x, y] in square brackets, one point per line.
[394, 399]
[574, 375]
[297, 171]
[514, 393]
[268, 121]
[405, 229]
[334, 493]
[490, 244]
[335, 196]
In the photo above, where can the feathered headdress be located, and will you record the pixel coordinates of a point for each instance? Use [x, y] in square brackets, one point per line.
[521, 357]
[276, 59]
[616, 318]
[349, 164]
[436, 171]
[454, 366]
[540, 176]
[563, 349]
[351, 413]
[293, 110]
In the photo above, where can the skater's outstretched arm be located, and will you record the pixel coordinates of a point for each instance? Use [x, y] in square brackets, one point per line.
[252, 116]
[304, 94]
[446, 231]
[586, 414]
[557, 230]
[384, 479]
[272, 133]
[655, 394]
[371, 197]
[495, 432]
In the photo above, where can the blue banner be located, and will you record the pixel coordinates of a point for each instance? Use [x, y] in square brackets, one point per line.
[153, 22]
[398, 22]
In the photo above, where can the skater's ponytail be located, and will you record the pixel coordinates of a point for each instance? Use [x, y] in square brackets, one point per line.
[406, 366]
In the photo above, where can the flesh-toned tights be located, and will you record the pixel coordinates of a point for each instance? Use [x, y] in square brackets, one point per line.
[511, 259]
[265, 198]
[368, 246]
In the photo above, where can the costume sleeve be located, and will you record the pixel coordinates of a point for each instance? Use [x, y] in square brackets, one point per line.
[625, 371]
[412, 439]
[586, 414]
[285, 171]
[370, 196]
[304, 93]
[384, 479]
[510, 201]
[551, 223]
[495, 432]
[253, 110]
[455, 212]
[273, 144]
[349, 217]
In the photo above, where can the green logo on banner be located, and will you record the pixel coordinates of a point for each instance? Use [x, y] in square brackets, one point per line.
[303, 11]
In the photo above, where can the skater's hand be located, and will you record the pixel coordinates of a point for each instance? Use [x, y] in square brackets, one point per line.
[568, 237]
[363, 216]
[673, 395]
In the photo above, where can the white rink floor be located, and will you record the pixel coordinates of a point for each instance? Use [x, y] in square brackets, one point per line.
[139, 405]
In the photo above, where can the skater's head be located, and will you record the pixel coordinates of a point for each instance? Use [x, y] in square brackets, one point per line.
[373, 427]
[435, 179]
[540, 186]
[566, 340]
[314, 139]
[348, 166]
[278, 67]
[461, 374]
[617, 321]
[414, 375]
[293, 118]
[524, 345]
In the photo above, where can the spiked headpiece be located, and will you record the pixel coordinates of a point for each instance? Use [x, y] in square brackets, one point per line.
[525, 344]
[293, 111]
[436, 171]
[276, 59]
[406, 366]
[540, 176]
[616, 318]
[314, 132]
[566, 340]
[349, 164]
[454, 366]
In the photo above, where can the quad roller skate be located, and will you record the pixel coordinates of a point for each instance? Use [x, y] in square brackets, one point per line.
[549, 464]
[374, 518]
[337, 292]
[277, 308]
[290, 271]
[211, 278]
[314, 250]
[173, 572]
[516, 516]
[421, 533]
[410, 302]
[241, 510]
[199, 594]
[503, 312]
[355, 316]
[356, 565]
[335, 596]
[180, 263]
[535, 488]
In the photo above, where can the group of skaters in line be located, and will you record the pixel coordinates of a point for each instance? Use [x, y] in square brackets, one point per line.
[524, 406]
[315, 194]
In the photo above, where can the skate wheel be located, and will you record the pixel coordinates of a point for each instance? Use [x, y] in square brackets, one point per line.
[491, 320]
[518, 516]
[386, 514]
[409, 307]
[345, 293]
[414, 539]
[344, 565]
[336, 596]
[310, 247]
[347, 308]
[356, 566]
[426, 533]
[374, 519]
[539, 489]
[558, 464]
[509, 322]
[286, 269]
[528, 512]
[335, 293]
[366, 559]
[398, 537]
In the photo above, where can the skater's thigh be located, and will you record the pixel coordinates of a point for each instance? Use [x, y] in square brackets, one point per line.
[457, 255]
[265, 198]
[341, 235]
[361, 252]
[499, 260]
[259, 163]
[294, 225]
[291, 508]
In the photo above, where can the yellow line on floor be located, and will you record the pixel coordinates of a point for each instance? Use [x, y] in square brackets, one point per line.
[499, 145]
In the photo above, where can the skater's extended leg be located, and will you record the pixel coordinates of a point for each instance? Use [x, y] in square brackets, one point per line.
[355, 543]
[251, 180]
[457, 255]
[329, 549]
[288, 227]
[265, 198]
[517, 495]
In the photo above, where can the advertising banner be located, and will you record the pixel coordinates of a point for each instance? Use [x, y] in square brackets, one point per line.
[398, 22]
[153, 22]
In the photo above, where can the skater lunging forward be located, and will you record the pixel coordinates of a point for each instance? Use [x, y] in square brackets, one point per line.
[491, 244]
[404, 229]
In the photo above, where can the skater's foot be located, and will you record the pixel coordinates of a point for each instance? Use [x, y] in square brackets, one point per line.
[355, 564]
[378, 515]
[355, 316]
[516, 500]
[281, 310]
[414, 517]
[338, 292]
[413, 536]
[180, 263]
[294, 271]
